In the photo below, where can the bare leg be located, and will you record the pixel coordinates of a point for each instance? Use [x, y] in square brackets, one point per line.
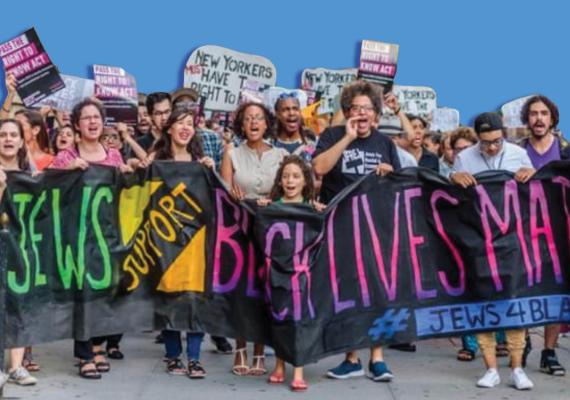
[551, 336]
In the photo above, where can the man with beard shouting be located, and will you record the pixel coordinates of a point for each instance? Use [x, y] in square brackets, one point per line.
[541, 117]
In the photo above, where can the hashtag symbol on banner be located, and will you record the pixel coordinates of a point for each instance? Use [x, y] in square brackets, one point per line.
[390, 323]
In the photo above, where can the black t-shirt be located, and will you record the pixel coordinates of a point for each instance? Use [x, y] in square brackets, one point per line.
[360, 158]
[146, 141]
[429, 160]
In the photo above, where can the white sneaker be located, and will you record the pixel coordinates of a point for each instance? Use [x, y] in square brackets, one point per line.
[490, 379]
[21, 376]
[520, 380]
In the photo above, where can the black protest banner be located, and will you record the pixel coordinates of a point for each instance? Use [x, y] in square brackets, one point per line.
[25, 58]
[118, 92]
[393, 259]
[95, 253]
[409, 257]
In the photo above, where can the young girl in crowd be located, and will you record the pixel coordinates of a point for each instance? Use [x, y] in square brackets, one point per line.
[179, 142]
[63, 138]
[14, 157]
[293, 184]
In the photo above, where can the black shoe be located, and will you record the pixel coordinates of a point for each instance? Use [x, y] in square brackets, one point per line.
[159, 339]
[526, 351]
[408, 347]
[222, 345]
[549, 363]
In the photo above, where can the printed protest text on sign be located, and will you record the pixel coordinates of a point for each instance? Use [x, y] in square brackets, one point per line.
[329, 84]
[26, 59]
[218, 74]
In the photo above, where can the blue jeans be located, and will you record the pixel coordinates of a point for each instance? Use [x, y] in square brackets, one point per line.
[173, 344]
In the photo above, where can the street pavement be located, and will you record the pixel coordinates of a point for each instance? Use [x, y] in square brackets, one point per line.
[430, 373]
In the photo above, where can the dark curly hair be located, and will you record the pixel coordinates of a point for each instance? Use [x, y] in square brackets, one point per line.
[78, 108]
[361, 88]
[309, 192]
[238, 121]
[163, 147]
[465, 133]
[554, 114]
[22, 155]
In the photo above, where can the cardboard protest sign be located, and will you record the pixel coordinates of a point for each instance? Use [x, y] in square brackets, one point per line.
[25, 58]
[328, 83]
[218, 74]
[417, 100]
[118, 92]
[378, 63]
[76, 89]
[511, 112]
[252, 92]
[444, 119]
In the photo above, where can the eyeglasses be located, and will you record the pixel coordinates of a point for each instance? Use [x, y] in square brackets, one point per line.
[488, 143]
[90, 118]
[257, 118]
[112, 136]
[286, 95]
[164, 113]
[355, 108]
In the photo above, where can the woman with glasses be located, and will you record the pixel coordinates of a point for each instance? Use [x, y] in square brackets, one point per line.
[250, 170]
[87, 118]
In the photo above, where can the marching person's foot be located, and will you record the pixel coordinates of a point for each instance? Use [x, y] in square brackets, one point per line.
[520, 381]
[345, 370]
[549, 363]
[490, 379]
[222, 345]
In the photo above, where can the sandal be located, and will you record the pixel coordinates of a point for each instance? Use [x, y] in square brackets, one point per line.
[502, 350]
[465, 355]
[115, 353]
[299, 385]
[240, 369]
[102, 366]
[88, 373]
[29, 363]
[195, 370]
[276, 378]
[175, 367]
[256, 368]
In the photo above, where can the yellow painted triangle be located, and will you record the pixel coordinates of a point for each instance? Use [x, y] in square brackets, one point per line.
[132, 203]
[188, 271]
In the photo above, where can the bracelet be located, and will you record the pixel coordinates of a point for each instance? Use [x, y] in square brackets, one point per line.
[398, 112]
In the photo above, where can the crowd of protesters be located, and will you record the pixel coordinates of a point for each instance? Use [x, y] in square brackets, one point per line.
[270, 156]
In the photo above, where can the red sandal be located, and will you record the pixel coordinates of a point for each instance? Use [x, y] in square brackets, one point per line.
[276, 378]
[299, 385]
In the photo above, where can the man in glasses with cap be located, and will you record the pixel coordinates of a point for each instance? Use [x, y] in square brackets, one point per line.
[490, 154]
